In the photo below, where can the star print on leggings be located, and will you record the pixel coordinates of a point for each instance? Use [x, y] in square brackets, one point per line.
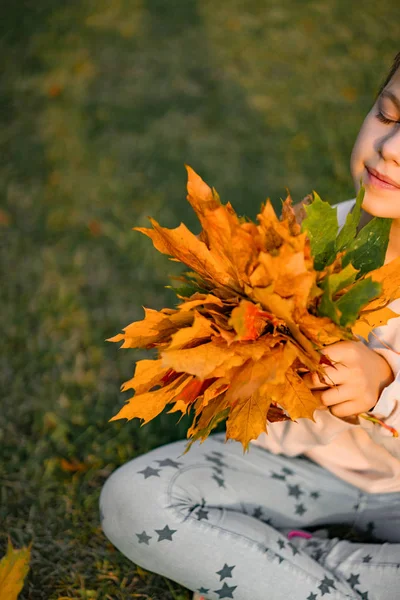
[257, 512]
[150, 472]
[278, 476]
[167, 462]
[293, 548]
[325, 585]
[367, 558]
[363, 595]
[219, 480]
[318, 554]
[143, 538]
[353, 579]
[202, 514]
[225, 571]
[287, 471]
[165, 534]
[300, 509]
[226, 591]
[315, 495]
[312, 596]
[294, 490]
[203, 590]
[216, 460]
[370, 528]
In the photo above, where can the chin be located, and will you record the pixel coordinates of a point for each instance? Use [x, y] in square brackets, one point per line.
[381, 205]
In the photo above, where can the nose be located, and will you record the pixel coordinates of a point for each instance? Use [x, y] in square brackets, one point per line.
[389, 146]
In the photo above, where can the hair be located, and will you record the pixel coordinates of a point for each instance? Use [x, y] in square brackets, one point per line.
[394, 67]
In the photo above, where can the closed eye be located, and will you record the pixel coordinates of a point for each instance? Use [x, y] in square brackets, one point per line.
[381, 117]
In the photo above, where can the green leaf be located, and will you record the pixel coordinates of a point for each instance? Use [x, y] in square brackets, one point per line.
[338, 281]
[186, 290]
[204, 433]
[321, 226]
[332, 284]
[349, 229]
[358, 296]
[367, 252]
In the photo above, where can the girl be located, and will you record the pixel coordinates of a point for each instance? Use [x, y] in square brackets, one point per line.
[229, 525]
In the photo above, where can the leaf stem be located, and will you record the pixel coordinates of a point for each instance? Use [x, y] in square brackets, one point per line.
[379, 422]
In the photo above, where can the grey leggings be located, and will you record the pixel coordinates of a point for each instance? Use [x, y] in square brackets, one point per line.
[216, 521]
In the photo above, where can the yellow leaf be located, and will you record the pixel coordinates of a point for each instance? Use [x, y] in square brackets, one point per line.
[14, 567]
[148, 373]
[200, 330]
[247, 321]
[232, 245]
[179, 405]
[215, 389]
[389, 276]
[148, 405]
[200, 300]
[156, 327]
[295, 397]
[320, 330]
[372, 319]
[202, 360]
[215, 405]
[248, 417]
[270, 368]
[188, 249]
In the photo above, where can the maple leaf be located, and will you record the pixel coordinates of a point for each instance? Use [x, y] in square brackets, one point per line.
[14, 567]
[260, 303]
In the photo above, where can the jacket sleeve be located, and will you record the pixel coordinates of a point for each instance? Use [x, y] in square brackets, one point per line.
[385, 341]
[296, 437]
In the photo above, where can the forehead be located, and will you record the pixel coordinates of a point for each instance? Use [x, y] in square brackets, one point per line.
[394, 83]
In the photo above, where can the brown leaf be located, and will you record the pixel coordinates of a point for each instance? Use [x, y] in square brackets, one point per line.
[73, 466]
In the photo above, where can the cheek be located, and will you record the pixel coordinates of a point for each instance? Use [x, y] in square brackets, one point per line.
[363, 146]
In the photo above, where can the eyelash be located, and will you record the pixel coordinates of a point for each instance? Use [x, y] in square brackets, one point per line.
[383, 119]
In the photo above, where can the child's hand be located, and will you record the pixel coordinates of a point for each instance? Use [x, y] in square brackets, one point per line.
[359, 377]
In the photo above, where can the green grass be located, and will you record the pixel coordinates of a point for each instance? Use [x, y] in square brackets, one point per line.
[101, 104]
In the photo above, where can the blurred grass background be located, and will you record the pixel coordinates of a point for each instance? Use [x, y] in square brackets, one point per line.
[101, 104]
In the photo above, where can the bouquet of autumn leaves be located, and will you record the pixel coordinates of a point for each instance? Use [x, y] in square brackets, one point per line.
[260, 303]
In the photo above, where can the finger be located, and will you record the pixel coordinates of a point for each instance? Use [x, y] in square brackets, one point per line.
[337, 394]
[345, 409]
[317, 395]
[313, 382]
[336, 375]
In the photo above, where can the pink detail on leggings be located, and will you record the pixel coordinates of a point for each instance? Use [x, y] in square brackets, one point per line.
[298, 533]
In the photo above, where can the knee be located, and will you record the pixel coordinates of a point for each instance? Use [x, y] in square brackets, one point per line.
[120, 506]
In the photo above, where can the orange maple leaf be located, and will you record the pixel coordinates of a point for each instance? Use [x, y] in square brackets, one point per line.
[236, 346]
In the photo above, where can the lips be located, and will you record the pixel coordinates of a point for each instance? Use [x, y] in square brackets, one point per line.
[382, 177]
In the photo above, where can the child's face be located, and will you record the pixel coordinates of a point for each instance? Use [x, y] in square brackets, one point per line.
[377, 148]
